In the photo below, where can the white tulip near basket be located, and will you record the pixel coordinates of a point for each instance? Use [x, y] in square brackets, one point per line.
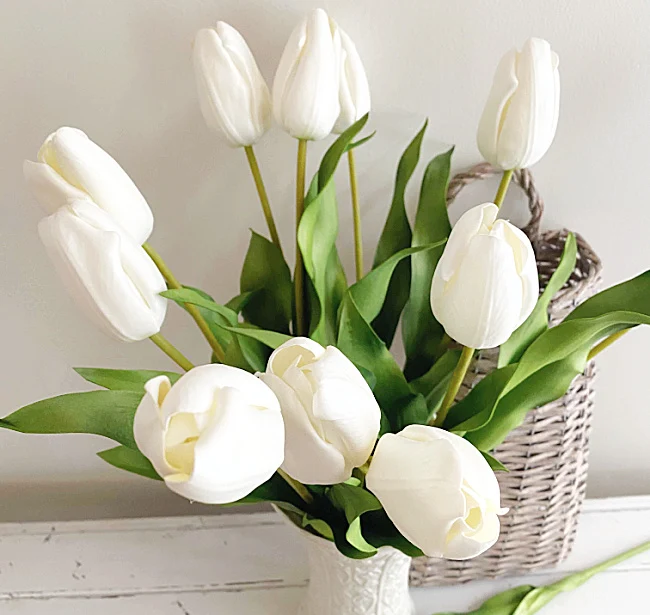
[298, 400]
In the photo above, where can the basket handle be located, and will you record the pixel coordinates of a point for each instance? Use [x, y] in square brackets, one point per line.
[522, 177]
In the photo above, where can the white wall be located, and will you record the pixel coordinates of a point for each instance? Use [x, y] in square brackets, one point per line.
[120, 70]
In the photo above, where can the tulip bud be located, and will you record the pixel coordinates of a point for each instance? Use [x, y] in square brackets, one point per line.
[438, 490]
[234, 98]
[70, 166]
[330, 414]
[306, 85]
[486, 283]
[214, 436]
[112, 278]
[354, 91]
[520, 117]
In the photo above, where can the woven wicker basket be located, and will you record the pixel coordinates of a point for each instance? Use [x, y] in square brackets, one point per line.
[547, 455]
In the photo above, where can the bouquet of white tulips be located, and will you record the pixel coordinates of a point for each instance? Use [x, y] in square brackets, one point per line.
[302, 404]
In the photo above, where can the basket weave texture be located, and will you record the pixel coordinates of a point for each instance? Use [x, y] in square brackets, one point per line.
[548, 454]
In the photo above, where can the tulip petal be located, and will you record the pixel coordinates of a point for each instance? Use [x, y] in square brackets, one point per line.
[93, 262]
[308, 458]
[48, 187]
[87, 167]
[467, 544]
[302, 348]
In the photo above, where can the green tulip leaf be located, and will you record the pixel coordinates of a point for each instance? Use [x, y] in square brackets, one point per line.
[422, 333]
[271, 339]
[358, 341]
[122, 379]
[131, 460]
[317, 234]
[494, 463]
[537, 322]
[370, 291]
[433, 385]
[267, 276]
[239, 302]
[396, 236]
[360, 142]
[102, 413]
[380, 531]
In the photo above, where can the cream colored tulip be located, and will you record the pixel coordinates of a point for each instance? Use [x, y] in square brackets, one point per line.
[486, 282]
[330, 414]
[71, 167]
[214, 436]
[520, 118]
[109, 275]
[438, 490]
[234, 98]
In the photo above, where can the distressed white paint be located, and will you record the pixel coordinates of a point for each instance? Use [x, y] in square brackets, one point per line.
[253, 564]
[121, 71]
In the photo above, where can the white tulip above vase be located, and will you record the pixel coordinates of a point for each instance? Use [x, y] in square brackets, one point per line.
[339, 585]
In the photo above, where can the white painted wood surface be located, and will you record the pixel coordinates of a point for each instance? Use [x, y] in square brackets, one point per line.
[253, 564]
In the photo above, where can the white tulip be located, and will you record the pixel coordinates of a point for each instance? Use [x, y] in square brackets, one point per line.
[214, 436]
[234, 98]
[486, 283]
[354, 90]
[520, 117]
[306, 85]
[112, 278]
[70, 166]
[438, 490]
[330, 414]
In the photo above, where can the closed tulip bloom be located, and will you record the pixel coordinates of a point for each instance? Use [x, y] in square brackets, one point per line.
[438, 490]
[214, 436]
[306, 85]
[354, 90]
[486, 283]
[70, 166]
[520, 117]
[330, 414]
[110, 276]
[234, 98]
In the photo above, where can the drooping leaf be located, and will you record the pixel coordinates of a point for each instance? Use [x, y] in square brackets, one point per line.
[103, 413]
[380, 531]
[239, 302]
[494, 463]
[354, 501]
[433, 385]
[369, 292]
[272, 339]
[537, 322]
[122, 379]
[360, 142]
[317, 234]
[396, 236]
[129, 459]
[362, 346]
[267, 276]
[422, 333]
[276, 491]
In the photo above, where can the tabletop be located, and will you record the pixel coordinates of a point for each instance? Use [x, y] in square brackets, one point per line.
[245, 564]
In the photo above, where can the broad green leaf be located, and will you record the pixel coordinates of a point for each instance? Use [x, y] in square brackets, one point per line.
[380, 531]
[272, 339]
[369, 292]
[360, 142]
[537, 322]
[103, 413]
[267, 276]
[422, 333]
[317, 234]
[362, 346]
[130, 460]
[320, 526]
[354, 502]
[504, 603]
[396, 236]
[433, 385]
[122, 379]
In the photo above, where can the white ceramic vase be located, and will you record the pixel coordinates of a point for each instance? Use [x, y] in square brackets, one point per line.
[339, 585]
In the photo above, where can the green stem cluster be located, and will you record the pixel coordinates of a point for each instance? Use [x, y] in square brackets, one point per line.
[299, 275]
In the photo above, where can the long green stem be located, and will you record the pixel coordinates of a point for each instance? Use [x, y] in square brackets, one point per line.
[172, 282]
[299, 276]
[503, 187]
[264, 197]
[172, 352]
[454, 385]
[356, 215]
[606, 343]
[299, 488]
